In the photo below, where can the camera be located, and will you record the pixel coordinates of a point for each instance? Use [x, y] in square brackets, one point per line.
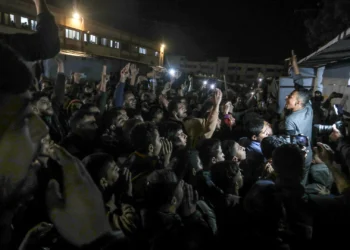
[300, 140]
[328, 129]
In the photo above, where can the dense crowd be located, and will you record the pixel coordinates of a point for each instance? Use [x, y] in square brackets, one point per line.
[161, 160]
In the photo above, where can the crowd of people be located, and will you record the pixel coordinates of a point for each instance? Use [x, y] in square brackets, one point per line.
[154, 160]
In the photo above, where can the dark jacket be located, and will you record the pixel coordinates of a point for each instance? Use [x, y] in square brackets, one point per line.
[41, 45]
[170, 231]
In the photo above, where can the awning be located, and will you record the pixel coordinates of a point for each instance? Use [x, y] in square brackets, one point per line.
[86, 55]
[336, 50]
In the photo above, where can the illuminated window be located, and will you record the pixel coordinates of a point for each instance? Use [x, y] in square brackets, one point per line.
[12, 18]
[9, 19]
[116, 45]
[142, 51]
[111, 43]
[156, 53]
[24, 20]
[104, 41]
[33, 24]
[93, 39]
[72, 34]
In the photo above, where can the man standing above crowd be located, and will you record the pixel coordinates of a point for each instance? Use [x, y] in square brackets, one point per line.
[300, 120]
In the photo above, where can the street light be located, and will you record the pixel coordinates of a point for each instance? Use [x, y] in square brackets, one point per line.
[76, 15]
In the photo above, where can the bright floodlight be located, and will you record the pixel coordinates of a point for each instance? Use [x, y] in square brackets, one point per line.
[172, 72]
[260, 79]
[76, 15]
[212, 86]
[205, 82]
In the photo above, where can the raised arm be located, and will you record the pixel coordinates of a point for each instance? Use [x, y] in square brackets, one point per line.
[43, 44]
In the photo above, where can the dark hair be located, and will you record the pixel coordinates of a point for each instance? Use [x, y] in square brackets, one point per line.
[254, 127]
[87, 106]
[142, 135]
[160, 188]
[303, 96]
[16, 77]
[168, 130]
[173, 106]
[77, 117]
[128, 126]
[225, 174]
[270, 143]
[96, 164]
[288, 161]
[109, 117]
[228, 148]
[154, 110]
[36, 96]
[207, 149]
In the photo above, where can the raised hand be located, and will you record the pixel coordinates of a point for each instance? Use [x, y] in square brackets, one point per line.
[189, 202]
[60, 65]
[217, 97]
[323, 153]
[134, 70]
[125, 182]
[78, 213]
[125, 73]
[167, 149]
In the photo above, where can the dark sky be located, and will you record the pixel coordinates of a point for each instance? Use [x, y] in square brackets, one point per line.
[249, 31]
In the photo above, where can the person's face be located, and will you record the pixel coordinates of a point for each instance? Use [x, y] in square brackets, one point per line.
[19, 144]
[88, 126]
[130, 101]
[265, 132]
[182, 110]
[88, 90]
[44, 107]
[239, 100]
[157, 146]
[112, 173]
[158, 117]
[121, 119]
[46, 145]
[181, 138]
[219, 156]
[292, 100]
[240, 152]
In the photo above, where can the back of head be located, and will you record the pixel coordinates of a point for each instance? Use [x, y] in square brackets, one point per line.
[168, 130]
[207, 149]
[225, 174]
[160, 188]
[16, 77]
[173, 106]
[77, 117]
[288, 161]
[254, 126]
[304, 96]
[228, 148]
[142, 135]
[96, 164]
[270, 143]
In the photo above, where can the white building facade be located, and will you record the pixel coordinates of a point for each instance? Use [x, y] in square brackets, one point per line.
[235, 72]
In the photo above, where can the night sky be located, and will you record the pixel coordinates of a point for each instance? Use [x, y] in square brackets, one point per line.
[247, 31]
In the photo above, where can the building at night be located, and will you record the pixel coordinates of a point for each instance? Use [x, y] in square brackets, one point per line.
[82, 39]
[235, 72]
